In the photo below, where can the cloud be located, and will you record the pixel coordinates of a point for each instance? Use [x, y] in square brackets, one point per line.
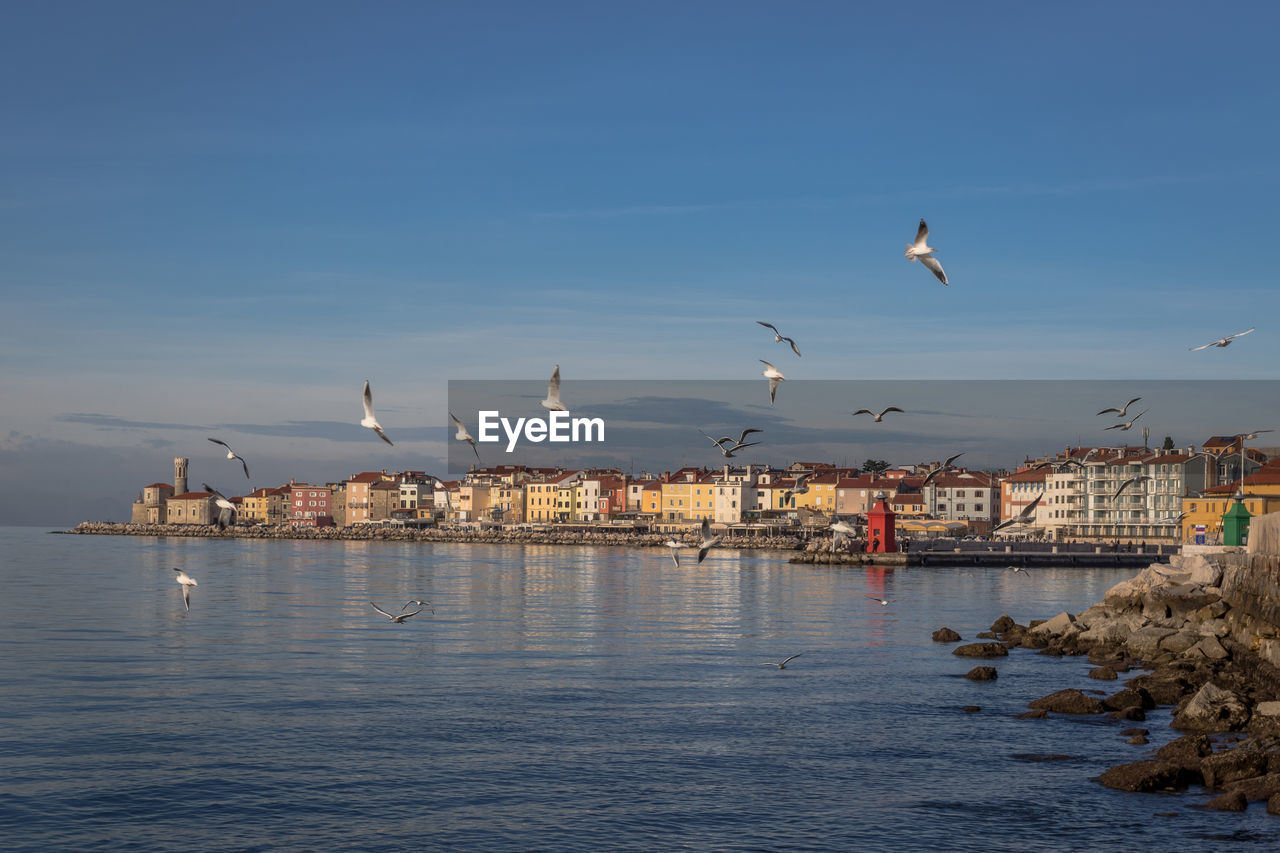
[113, 422]
[337, 431]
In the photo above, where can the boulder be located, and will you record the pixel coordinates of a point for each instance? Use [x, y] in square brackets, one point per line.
[1146, 641]
[972, 709]
[1212, 709]
[1133, 712]
[1130, 697]
[1180, 642]
[982, 673]
[988, 635]
[945, 635]
[1231, 802]
[1257, 788]
[1199, 570]
[1004, 623]
[1103, 673]
[1153, 775]
[1208, 648]
[1273, 804]
[1064, 624]
[1110, 631]
[1231, 765]
[981, 650]
[1038, 714]
[1187, 750]
[1068, 702]
[1130, 732]
[1166, 687]
[1267, 709]
[1138, 740]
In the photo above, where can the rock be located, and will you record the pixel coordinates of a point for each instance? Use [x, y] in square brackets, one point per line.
[1133, 712]
[1180, 642]
[1004, 623]
[1187, 750]
[1231, 765]
[1128, 732]
[1146, 641]
[1059, 626]
[981, 650]
[1147, 776]
[945, 635]
[972, 709]
[987, 635]
[1267, 709]
[1038, 714]
[1103, 673]
[1166, 687]
[982, 673]
[1232, 802]
[1138, 740]
[1212, 709]
[1200, 570]
[1208, 648]
[1273, 804]
[1257, 788]
[1109, 631]
[1068, 702]
[1130, 697]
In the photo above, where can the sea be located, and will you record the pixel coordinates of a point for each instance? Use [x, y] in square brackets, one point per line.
[558, 699]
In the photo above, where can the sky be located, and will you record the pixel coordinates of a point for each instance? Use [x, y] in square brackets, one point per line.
[220, 220]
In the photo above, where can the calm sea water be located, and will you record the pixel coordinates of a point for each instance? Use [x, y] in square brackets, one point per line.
[559, 699]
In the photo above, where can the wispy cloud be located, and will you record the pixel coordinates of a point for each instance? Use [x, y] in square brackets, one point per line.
[113, 422]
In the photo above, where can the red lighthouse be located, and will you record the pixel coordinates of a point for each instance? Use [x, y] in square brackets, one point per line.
[880, 527]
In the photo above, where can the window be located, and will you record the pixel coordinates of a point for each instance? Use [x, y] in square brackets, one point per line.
[977, 507]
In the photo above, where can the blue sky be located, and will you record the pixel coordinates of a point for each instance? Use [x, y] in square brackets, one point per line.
[234, 214]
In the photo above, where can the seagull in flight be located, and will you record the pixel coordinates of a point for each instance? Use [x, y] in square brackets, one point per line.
[553, 394]
[921, 252]
[1017, 569]
[728, 452]
[674, 547]
[1223, 342]
[783, 663]
[1127, 424]
[1173, 519]
[945, 466]
[1251, 436]
[1129, 482]
[463, 435]
[843, 527]
[707, 542]
[778, 337]
[398, 617]
[226, 509]
[1120, 413]
[369, 420]
[730, 439]
[419, 602]
[1022, 517]
[187, 582]
[801, 487]
[883, 601]
[774, 376]
[231, 454]
[880, 416]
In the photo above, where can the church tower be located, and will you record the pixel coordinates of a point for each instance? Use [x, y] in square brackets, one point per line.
[180, 475]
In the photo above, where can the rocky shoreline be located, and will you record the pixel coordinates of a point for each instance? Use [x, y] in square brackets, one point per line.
[1198, 636]
[406, 534]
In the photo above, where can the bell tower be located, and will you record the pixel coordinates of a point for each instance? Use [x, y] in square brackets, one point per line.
[180, 475]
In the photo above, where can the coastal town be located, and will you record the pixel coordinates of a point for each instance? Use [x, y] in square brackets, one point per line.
[1124, 494]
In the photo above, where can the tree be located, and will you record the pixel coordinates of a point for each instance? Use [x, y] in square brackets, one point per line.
[1168, 443]
[875, 466]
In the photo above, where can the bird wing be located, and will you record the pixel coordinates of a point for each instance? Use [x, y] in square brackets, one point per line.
[1240, 334]
[794, 348]
[1206, 346]
[382, 435]
[1112, 409]
[1135, 417]
[380, 610]
[1030, 508]
[747, 432]
[1002, 525]
[368, 400]
[928, 477]
[1116, 426]
[769, 366]
[462, 434]
[675, 557]
[891, 409]
[223, 443]
[716, 441]
[706, 529]
[553, 386]
[922, 234]
[769, 326]
[773, 389]
[186, 596]
[936, 268]
[947, 464]
[217, 495]
[864, 412]
[702, 552]
[403, 616]
[1131, 402]
[245, 466]
[790, 659]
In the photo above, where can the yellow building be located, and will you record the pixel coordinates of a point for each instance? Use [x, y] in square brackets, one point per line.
[651, 499]
[506, 503]
[690, 499]
[266, 506]
[473, 502]
[819, 496]
[1261, 497]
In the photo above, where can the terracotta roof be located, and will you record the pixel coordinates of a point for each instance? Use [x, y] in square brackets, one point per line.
[159, 486]
[1031, 475]
[191, 496]
[366, 477]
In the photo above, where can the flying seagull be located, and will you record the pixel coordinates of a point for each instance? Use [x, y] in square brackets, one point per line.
[1017, 569]
[783, 664]
[728, 452]
[843, 527]
[226, 509]
[1120, 413]
[945, 466]
[1173, 519]
[1022, 517]
[1223, 342]
[187, 582]
[774, 376]
[707, 542]
[1129, 482]
[674, 547]
[737, 445]
[369, 420]
[1250, 436]
[883, 601]
[231, 454]
[463, 435]
[778, 337]
[730, 439]
[419, 602]
[397, 618]
[880, 416]
[921, 252]
[801, 487]
[1127, 424]
[553, 393]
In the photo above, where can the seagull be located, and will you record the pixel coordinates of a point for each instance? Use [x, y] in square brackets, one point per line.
[369, 420]
[1022, 517]
[1173, 519]
[883, 601]
[707, 542]
[226, 508]
[1120, 413]
[419, 603]
[463, 435]
[1129, 482]
[675, 550]
[774, 376]
[1127, 424]
[945, 466]
[553, 393]
[1016, 569]
[728, 452]
[231, 454]
[783, 664]
[843, 527]
[187, 582]
[778, 337]
[799, 488]
[397, 618]
[725, 438]
[1223, 342]
[921, 252]
[1250, 436]
[880, 416]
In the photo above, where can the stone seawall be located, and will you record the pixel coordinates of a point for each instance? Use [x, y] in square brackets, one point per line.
[403, 534]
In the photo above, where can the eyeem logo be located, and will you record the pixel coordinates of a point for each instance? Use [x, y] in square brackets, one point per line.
[558, 428]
